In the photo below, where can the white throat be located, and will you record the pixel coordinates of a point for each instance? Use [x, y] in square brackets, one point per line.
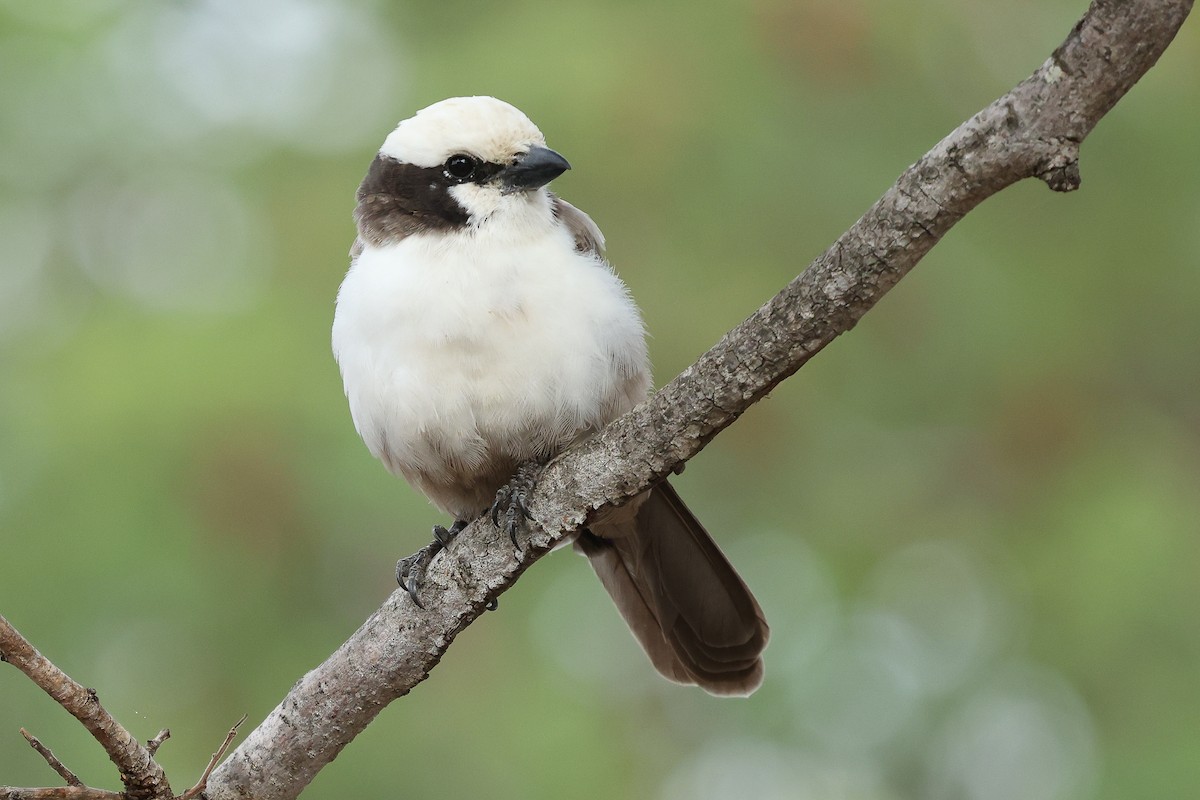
[466, 353]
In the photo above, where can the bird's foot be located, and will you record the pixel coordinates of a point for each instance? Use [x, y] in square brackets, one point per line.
[509, 504]
[410, 571]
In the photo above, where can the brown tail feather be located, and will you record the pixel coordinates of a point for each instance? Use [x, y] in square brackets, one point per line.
[680, 596]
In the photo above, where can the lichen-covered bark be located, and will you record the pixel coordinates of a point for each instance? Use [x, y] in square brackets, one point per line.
[1033, 131]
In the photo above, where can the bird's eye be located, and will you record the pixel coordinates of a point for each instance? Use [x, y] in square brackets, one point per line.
[461, 167]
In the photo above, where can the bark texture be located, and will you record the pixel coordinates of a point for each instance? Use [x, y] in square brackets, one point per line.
[1035, 130]
[140, 773]
[1032, 131]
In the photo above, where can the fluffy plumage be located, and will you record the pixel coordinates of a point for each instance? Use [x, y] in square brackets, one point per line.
[479, 328]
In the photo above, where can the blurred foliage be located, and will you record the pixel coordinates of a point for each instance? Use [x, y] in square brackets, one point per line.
[972, 521]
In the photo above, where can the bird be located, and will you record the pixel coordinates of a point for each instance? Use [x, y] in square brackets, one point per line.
[480, 332]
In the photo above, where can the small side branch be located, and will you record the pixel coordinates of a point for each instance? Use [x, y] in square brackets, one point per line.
[202, 784]
[45, 752]
[141, 774]
[155, 743]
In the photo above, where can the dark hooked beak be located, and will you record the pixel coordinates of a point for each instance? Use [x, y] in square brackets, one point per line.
[534, 169]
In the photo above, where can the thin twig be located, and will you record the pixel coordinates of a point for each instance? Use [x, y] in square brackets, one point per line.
[70, 777]
[202, 784]
[155, 743]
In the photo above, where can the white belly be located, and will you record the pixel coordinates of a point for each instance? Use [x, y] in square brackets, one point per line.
[464, 357]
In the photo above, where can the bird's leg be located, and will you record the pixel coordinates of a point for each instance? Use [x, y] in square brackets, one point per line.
[510, 500]
[410, 571]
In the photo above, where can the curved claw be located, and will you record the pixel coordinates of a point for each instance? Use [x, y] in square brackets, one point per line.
[411, 586]
[516, 506]
[492, 604]
[520, 504]
[510, 501]
[409, 572]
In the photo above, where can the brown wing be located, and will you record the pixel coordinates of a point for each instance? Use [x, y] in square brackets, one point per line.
[588, 238]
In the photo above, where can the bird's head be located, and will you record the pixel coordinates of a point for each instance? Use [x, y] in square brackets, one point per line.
[457, 164]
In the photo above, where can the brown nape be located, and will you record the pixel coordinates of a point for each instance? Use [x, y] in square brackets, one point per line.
[587, 236]
[397, 200]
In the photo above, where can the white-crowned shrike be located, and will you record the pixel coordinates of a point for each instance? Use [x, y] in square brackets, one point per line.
[480, 329]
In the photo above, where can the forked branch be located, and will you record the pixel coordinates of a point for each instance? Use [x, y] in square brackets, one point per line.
[143, 777]
[140, 773]
[1033, 131]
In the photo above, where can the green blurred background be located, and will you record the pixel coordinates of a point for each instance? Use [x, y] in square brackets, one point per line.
[972, 521]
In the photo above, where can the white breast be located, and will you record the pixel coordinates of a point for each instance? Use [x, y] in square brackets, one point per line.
[465, 354]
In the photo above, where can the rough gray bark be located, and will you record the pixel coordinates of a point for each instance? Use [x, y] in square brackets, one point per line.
[1033, 131]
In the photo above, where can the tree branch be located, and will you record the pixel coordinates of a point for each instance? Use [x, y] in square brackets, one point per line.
[155, 743]
[140, 773]
[55, 764]
[1033, 131]
[59, 793]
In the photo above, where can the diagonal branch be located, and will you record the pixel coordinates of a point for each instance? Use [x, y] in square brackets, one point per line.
[141, 774]
[55, 764]
[1033, 131]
